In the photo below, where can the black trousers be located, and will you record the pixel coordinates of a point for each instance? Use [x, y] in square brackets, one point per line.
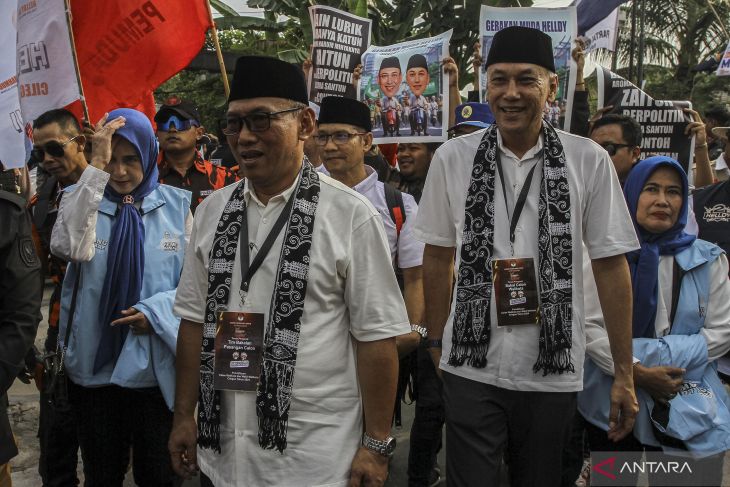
[710, 467]
[112, 420]
[575, 451]
[425, 441]
[483, 420]
[59, 444]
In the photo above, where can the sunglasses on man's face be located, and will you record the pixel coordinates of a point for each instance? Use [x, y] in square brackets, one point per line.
[54, 148]
[178, 124]
[612, 148]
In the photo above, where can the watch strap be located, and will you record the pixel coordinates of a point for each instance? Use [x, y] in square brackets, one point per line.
[434, 343]
[421, 330]
[381, 447]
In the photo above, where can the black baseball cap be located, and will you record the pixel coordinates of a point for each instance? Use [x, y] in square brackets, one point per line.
[176, 106]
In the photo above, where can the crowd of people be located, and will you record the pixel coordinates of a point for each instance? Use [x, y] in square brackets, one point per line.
[260, 321]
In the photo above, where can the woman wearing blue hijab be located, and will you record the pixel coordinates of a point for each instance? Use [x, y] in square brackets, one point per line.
[681, 326]
[124, 236]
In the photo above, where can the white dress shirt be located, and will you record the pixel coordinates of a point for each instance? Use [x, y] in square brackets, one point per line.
[408, 249]
[351, 295]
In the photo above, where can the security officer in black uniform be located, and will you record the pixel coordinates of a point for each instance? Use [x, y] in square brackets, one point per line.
[20, 303]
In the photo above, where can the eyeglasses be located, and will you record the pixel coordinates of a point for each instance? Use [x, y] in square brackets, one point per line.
[612, 148]
[339, 138]
[53, 147]
[180, 125]
[255, 122]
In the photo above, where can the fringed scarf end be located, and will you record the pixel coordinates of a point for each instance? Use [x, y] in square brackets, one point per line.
[209, 436]
[272, 433]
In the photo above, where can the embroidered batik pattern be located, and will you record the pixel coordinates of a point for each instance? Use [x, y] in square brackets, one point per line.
[287, 305]
[471, 334]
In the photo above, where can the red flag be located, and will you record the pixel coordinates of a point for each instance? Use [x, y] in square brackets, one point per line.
[147, 106]
[127, 48]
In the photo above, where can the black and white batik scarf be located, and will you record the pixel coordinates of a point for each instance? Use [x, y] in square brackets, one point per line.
[282, 332]
[470, 340]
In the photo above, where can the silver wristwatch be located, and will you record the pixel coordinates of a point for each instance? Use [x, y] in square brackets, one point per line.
[384, 447]
[421, 330]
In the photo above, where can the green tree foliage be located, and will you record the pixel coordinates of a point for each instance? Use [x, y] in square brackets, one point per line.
[679, 34]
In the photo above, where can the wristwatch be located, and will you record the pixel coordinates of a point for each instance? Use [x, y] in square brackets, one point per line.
[384, 447]
[421, 330]
[433, 343]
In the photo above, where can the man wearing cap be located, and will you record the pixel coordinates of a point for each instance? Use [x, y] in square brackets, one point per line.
[181, 165]
[318, 411]
[515, 203]
[389, 80]
[471, 117]
[344, 136]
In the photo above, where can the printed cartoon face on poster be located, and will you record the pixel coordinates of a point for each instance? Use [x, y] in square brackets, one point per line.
[561, 25]
[406, 90]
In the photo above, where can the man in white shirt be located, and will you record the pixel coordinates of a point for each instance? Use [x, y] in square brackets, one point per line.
[513, 343]
[344, 135]
[329, 355]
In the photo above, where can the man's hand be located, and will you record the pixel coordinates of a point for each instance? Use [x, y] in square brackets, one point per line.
[662, 383]
[356, 75]
[137, 321]
[368, 469]
[599, 113]
[307, 66]
[477, 60]
[579, 56]
[696, 127]
[452, 70]
[101, 141]
[183, 446]
[624, 408]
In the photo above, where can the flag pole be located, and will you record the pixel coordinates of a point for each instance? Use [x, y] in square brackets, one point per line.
[218, 52]
[76, 60]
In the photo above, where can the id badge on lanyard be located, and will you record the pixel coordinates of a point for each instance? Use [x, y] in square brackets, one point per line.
[239, 342]
[515, 291]
[514, 281]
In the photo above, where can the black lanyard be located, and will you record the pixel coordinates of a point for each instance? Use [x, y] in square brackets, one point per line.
[247, 271]
[521, 199]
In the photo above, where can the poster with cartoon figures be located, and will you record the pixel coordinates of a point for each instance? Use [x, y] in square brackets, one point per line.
[406, 90]
[561, 25]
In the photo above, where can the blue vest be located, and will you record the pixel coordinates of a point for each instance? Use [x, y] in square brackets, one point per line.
[145, 360]
[699, 414]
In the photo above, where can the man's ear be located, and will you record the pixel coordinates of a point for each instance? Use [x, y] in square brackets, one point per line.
[307, 123]
[553, 87]
[81, 142]
[367, 142]
[635, 153]
[199, 132]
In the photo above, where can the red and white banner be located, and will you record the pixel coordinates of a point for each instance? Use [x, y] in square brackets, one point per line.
[12, 137]
[127, 48]
[46, 73]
